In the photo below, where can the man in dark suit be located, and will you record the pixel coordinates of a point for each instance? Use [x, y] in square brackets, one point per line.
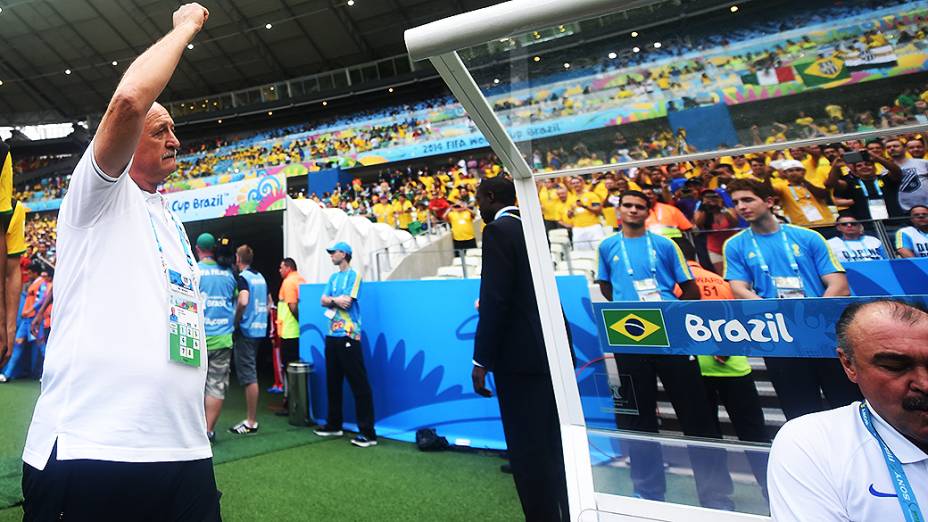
[509, 343]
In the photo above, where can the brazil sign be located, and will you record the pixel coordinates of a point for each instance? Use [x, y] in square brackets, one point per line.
[754, 327]
[635, 327]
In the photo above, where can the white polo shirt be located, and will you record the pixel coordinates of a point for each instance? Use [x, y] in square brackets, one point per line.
[865, 248]
[109, 390]
[827, 467]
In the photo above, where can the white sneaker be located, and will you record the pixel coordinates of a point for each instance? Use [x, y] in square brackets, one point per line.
[3, 378]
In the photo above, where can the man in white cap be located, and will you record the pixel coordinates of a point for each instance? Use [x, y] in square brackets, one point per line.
[803, 202]
[344, 358]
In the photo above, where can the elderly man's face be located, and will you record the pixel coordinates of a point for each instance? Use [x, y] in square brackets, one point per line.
[156, 153]
[891, 367]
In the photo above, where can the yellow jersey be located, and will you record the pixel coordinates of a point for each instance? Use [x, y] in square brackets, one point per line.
[462, 224]
[401, 213]
[582, 216]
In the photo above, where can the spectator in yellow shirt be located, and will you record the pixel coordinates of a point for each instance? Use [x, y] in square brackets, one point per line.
[585, 215]
[803, 202]
[402, 212]
[382, 211]
[461, 220]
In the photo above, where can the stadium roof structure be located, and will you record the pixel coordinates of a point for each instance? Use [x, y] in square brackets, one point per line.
[60, 60]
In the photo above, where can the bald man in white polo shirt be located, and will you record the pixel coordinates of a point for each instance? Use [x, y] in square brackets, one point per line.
[866, 461]
[119, 430]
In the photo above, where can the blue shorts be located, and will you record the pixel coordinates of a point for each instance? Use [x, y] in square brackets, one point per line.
[22, 329]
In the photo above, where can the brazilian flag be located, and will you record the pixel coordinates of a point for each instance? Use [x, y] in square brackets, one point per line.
[635, 328]
[822, 71]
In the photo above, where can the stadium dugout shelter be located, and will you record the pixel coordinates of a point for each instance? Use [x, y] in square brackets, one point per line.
[442, 43]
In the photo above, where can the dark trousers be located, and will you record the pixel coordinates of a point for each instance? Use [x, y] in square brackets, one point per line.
[289, 352]
[81, 490]
[741, 401]
[533, 439]
[461, 246]
[800, 382]
[343, 359]
[683, 382]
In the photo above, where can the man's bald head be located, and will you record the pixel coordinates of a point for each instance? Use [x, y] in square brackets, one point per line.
[883, 348]
[858, 320]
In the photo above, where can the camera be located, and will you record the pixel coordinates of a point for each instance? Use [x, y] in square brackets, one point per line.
[856, 156]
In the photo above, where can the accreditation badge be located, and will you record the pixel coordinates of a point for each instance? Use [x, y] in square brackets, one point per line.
[789, 287]
[185, 344]
[647, 289]
[811, 212]
[878, 209]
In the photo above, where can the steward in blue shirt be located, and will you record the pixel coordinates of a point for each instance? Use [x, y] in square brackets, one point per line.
[637, 265]
[217, 289]
[343, 355]
[251, 320]
[774, 261]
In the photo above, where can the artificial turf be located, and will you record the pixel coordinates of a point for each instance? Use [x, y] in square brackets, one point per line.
[285, 473]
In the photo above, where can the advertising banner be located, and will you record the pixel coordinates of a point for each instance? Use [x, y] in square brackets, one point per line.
[264, 194]
[418, 344]
[757, 328]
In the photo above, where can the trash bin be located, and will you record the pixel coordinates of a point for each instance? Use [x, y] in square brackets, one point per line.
[298, 393]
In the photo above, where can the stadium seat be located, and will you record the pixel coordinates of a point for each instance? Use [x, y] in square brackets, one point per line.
[581, 264]
[583, 254]
[559, 235]
[559, 250]
[451, 272]
[473, 252]
[458, 261]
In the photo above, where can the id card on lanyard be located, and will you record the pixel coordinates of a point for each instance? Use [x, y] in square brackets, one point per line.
[877, 206]
[787, 287]
[904, 493]
[185, 343]
[809, 210]
[646, 288]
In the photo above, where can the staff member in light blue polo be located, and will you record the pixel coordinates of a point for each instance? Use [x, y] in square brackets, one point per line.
[251, 318]
[217, 289]
[638, 265]
[774, 261]
[343, 355]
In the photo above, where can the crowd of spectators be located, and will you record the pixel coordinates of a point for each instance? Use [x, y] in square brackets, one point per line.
[335, 141]
[861, 182]
[41, 235]
[44, 189]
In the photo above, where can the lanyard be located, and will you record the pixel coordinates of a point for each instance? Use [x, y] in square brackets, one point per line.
[188, 253]
[794, 266]
[652, 256]
[792, 190]
[904, 493]
[863, 188]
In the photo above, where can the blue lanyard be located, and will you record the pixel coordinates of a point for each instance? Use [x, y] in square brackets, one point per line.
[789, 253]
[863, 188]
[652, 256]
[507, 214]
[188, 252]
[904, 492]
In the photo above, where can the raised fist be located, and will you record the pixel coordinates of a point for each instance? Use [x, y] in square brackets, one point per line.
[192, 14]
